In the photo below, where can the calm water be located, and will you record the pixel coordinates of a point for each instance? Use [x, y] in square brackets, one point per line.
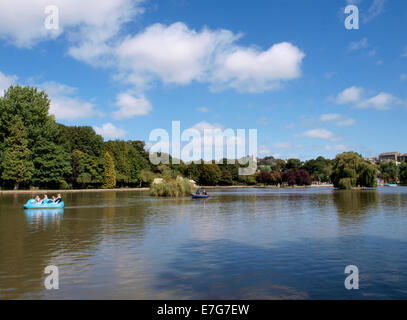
[239, 244]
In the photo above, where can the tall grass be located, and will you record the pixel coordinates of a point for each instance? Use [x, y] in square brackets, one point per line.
[179, 187]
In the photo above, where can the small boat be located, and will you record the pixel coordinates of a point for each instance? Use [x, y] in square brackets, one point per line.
[31, 204]
[199, 196]
[393, 185]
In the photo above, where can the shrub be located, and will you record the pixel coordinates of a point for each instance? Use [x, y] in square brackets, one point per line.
[172, 188]
[63, 185]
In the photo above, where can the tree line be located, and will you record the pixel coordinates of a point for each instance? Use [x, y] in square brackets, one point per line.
[36, 151]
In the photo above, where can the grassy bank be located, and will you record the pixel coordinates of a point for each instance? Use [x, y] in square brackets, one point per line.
[72, 191]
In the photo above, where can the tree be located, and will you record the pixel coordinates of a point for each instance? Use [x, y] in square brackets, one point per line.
[389, 171]
[51, 162]
[31, 106]
[297, 177]
[293, 164]
[210, 175]
[403, 173]
[17, 166]
[226, 179]
[109, 176]
[351, 170]
[320, 168]
[86, 170]
[264, 177]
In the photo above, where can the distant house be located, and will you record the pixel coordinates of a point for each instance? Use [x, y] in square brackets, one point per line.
[402, 157]
[389, 156]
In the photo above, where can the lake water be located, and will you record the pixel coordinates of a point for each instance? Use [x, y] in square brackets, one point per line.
[239, 244]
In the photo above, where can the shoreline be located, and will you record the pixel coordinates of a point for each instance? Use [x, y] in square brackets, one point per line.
[40, 191]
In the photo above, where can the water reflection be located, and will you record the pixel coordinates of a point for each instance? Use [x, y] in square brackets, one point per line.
[354, 205]
[44, 216]
[250, 243]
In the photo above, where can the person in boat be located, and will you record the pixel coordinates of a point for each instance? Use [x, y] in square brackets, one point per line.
[53, 199]
[45, 200]
[198, 192]
[58, 199]
[204, 193]
[37, 199]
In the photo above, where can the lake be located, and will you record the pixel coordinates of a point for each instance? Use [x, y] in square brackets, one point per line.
[239, 244]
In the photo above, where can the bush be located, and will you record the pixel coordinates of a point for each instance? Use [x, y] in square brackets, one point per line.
[172, 188]
[63, 185]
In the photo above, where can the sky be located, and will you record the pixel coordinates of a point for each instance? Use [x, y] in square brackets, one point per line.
[288, 68]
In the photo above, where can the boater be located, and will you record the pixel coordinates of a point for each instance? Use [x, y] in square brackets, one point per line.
[45, 200]
[58, 198]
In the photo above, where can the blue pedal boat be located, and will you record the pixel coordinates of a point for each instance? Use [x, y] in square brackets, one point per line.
[31, 204]
[199, 196]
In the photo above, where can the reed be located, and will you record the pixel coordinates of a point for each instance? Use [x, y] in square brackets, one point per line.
[175, 188]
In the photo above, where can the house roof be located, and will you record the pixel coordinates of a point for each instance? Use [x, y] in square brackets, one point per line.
[390, 154]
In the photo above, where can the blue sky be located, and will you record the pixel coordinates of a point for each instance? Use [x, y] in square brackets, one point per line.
[287, 68]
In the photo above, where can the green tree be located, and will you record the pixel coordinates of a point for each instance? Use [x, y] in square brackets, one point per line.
[109, 176]
[210, 175]
[320, 169]
[226, 178]
[389, 171]
[350, 170]
[293, 164]
[31, 106]
[52, 164]
[17, 166]
[87, 171]
[403, 173]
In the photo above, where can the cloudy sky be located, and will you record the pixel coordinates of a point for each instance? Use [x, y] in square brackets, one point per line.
[288, 68]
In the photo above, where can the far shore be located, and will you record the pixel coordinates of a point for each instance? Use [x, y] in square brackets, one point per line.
[40, 192]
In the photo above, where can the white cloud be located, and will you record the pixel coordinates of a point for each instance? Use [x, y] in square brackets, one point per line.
[264, 150]
[346, 122]
[338, 147]
[203, 109]
[330, 117]
[357, 45]
[176, 54]
[375, 9]
[65, 105]
[208, 127]
[319, 134]
[403, 77]
[382, 101]
[339, 120]
[350, 95]
[109, 131]
[282, 145]
[290, 125]
[88, 24]
[250, 70]
[173, 54]
[130, 106]
[6, 81]
[354, 96]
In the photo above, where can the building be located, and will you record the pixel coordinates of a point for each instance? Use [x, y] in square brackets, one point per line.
[389, 156]
[402, 157]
